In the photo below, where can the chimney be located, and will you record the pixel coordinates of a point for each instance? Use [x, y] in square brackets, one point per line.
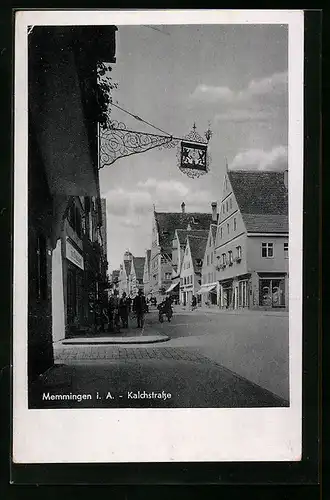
[183, 207]
[214, 211]
[285, 178]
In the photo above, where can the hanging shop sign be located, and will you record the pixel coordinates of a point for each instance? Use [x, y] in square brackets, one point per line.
[117, 141]
[73, 255]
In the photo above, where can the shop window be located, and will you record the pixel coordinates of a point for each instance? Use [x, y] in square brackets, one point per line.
[286, 250]
[272, 292]
[267, 250]
[41, 281]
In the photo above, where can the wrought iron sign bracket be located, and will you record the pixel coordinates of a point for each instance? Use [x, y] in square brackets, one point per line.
[116, 141]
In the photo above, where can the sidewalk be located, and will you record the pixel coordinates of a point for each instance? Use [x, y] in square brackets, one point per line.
[241, 312]
[131, 335]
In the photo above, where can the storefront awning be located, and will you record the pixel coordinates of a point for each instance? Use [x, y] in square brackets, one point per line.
[172, 287]
[206, 289]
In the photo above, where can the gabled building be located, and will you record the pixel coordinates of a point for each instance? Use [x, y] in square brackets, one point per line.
[209, 290]
[252, 240]
[136, 275]
[124, 273]
[146, 273]
[191, 268]
[163, 230]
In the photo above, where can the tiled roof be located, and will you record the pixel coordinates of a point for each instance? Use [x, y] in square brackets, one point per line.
[168, 222]
[139, 267]
[259, 192]
[197, 249]
[266, 223]
[183, 233]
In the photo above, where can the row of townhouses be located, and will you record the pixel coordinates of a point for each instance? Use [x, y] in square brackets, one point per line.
[129, 278]
[236, 256]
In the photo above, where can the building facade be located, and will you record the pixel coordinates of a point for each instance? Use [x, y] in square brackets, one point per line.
[252, 241]
[63, 114]
[209, 290]
[164, 226]
[146, 273]
[136, 276]
[191, 268]
[124, 273]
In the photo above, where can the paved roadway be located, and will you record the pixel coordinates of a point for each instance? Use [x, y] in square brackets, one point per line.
[206, 363]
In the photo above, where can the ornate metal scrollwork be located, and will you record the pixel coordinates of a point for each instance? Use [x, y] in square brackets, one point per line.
[117, 141]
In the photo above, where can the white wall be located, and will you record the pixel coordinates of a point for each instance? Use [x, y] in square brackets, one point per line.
[58, 312]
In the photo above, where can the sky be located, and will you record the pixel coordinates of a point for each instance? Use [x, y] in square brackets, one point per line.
[231, 77]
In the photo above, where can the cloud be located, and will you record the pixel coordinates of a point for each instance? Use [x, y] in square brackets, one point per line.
[121, 202]
[213, 94]
[243, 115]
[277, 83]
[132, 205]
[258, 159]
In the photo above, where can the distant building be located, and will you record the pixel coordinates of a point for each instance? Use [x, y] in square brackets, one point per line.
[136, 275]
[124, 273]
[209, 290]
[163, 230]
[191, 268]
[146, 272]
[114, 280]
[252, 242]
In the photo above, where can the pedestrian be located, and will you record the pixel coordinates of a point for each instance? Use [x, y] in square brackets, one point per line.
[193, 302]
[114, 313]
[139, 308]
[124, 310]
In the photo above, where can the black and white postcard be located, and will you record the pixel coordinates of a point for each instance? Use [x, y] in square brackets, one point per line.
[158, 186]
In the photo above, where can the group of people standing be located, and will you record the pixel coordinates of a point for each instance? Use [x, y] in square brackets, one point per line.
[119, 309]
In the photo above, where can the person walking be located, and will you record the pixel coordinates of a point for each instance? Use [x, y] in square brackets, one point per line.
[139, 308]
[114, 324]
[124, 310]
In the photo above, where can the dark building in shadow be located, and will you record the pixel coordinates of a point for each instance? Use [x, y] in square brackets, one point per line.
[63, 116]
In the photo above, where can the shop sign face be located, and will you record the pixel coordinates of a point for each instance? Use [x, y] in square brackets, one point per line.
[73, 255]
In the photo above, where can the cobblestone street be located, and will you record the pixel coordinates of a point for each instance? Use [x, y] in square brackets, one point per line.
[191, 367]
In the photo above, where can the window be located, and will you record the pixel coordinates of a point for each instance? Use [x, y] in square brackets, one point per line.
[230, 203]
[239, 252]
[224, 259]
[221, 232]
[223, 208]
[228, 228]
[235, 224]
[212, 258]
[184, 280]
[209, 277]
[286, 250]
[227, 206]
[230, 257]
[272, 292]
[210, 242]
[267, 250]
[207, 260]
[167, 276]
